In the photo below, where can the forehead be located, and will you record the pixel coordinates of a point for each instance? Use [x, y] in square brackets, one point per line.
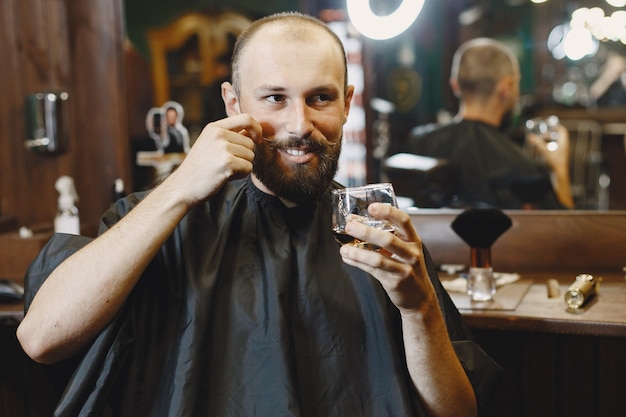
[280, 51]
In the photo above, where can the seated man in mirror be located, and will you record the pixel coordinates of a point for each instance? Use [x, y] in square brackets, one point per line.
[491, 169]
[222, 291]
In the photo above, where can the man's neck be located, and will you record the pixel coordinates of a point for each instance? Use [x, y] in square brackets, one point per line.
[487, 113]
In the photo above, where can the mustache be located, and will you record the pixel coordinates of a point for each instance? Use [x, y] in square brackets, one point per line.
[298, 142]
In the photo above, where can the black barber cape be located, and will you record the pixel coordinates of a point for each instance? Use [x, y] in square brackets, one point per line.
[248, 310]
[491, 169]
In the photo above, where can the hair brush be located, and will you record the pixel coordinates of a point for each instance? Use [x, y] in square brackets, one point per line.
[481, 227]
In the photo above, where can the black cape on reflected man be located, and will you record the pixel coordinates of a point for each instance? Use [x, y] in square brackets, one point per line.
[279, 327]
[490, 169]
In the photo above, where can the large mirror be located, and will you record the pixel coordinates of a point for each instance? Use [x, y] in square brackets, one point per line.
[412, 70]
[569, 69]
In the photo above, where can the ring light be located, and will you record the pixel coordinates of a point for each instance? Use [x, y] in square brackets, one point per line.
[378, 27]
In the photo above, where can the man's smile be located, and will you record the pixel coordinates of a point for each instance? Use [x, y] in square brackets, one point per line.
[299, 155]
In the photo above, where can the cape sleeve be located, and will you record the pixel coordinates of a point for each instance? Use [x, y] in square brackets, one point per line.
[483, 372]
[59, 248]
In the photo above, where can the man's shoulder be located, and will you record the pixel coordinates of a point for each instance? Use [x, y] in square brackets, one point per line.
[423, 130]
[467, 129]
[426, 138]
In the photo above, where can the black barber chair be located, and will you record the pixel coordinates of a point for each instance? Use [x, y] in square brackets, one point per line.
[429, 182]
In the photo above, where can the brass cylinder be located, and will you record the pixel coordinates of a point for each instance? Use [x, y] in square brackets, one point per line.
[581, 290]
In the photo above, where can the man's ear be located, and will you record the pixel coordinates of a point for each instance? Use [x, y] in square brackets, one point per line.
[504, 88]
[348, 102]
[454, 85]
[231, 101]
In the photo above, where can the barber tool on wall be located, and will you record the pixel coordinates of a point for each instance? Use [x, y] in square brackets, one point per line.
[480, 228]
[47, 121]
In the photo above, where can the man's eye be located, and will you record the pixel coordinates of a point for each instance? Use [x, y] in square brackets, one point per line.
[276, 98]
[322, 97]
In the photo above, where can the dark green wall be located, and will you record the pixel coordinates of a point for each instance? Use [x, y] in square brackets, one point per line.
[144, 14]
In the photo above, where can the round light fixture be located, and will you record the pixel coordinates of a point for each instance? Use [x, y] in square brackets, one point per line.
[377, 27]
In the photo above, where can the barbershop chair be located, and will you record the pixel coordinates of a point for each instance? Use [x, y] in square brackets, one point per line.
[429, 182]
[589, 179]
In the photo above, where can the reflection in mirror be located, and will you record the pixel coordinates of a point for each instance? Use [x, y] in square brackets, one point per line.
[583, 84]
[578, 61]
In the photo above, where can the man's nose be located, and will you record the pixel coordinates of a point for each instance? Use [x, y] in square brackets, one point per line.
[299, 119]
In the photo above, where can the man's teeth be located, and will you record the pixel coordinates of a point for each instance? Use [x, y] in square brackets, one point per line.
[295, 152]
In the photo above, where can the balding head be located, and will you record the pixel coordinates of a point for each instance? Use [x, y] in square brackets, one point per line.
[478, 65]
[291, 26]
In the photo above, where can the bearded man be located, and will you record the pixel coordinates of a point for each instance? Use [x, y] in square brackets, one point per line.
[222, 291]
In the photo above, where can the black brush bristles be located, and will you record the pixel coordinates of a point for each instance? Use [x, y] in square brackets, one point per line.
[481, 227]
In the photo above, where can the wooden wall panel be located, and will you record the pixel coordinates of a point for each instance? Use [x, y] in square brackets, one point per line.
[99, 107]
[76, 47]
[44, 62]
[10, 91]
[576, 241]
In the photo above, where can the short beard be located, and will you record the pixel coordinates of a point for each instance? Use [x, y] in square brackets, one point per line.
[298, 183]
[507, 121]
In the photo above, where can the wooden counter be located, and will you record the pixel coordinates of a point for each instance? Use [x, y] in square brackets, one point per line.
[556, 363]
[603, 315]
[16, 252]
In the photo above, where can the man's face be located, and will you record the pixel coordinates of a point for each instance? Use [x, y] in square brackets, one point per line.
[295, 89]
[515, 94]
[171, 116]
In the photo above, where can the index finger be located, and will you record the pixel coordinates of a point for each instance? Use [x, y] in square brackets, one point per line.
[243, 124]
[404, 226]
